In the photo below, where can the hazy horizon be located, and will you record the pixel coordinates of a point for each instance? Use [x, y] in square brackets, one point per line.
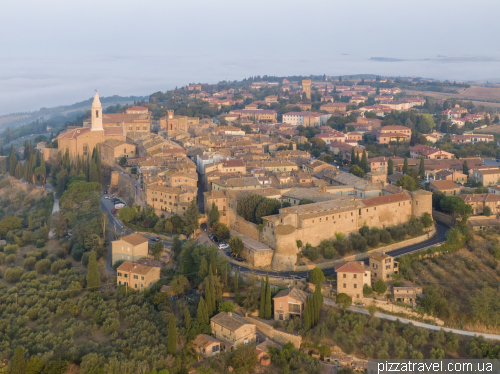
[58, 53]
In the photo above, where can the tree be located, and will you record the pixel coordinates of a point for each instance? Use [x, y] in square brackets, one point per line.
[317, 277]
[466, 168]
[213, 216]
[487, 211]
[353, 156]
[12, 160]
[390, 167]
[34, 365]
[421, 170]
[244, 358]
[179, 284]
[267, 207]
[305, 201]
[192, 217]
[357, 171]
[123, 161]
[93, 276]
[427, 220]
[453, 205]
[157, 250]
[18, 362]
[202, 313]
[380, 287]
[236, 245]
[127, 214]
[344, 301]
[236, 290]
[367, 290]
[299, 244]
[172, 336]
[248, 205]
[226, 306]
[221, 230]
[187, 319]
[262, 309]
[267, 310]
[408, 183]
[406, 168]
[364, 162]
[10, 223]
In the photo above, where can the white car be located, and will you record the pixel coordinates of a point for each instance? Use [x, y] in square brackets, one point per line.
[119, 205]
[223, 246]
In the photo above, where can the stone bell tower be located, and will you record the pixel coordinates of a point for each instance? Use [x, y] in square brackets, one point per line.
[96, 114]
[306, 87]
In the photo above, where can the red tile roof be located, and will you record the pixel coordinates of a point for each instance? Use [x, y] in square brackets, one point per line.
[381, 200]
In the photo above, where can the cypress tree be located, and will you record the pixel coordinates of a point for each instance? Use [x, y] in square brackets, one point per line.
[202, 314]
[390, 167]
[364, 162]
[395, 153]
[357, 158]
[93, 277]
[98, 165]
[26, 153]
[353, 157]
[187, 319]
[172, 336]
[93, 174]
[12, 161]
[262, 308]
[406, 169]
[307, 315]
[26, 171]
[466, 168]
[212, 292]
[212, 264]
[18, 362]
[267, 310]
[236, 291]
[208, 296]
[19, 173]
[421, 170]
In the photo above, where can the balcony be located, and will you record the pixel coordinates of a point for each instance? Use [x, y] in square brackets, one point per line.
[294, 308]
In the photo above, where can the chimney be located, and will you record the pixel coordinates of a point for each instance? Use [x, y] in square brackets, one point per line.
[230, 314]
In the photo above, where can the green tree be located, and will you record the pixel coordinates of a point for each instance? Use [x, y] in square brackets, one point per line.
[10, 223]
[317, 276]
[202, 313]
[236, 245]
[421, 170]
[93, 277]
[262, 309]
[213, 216]
[221, 230]
[466, 168]
[127, 214]
[19, 172]
[34, 365]
[407, 182]
[372, 309]
[18, 362]
[380, 287]
[192, 217]
[236, 290]
[344, 301]
[305, 201]
[390, 167]
[176, 244]
[427, 220]
[93, 173]
[364, 162]
[299, 244]
[226, 306]
[267, 207]
[247, 207]
[172, 336]
[487, 211]
[12, 161]
[157, 250]
[187, 319]
[406, 168]
[357, 171]
[353, 156]
[449, 204]
[267, 310]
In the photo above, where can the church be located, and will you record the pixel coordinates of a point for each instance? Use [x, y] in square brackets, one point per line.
[82, 140]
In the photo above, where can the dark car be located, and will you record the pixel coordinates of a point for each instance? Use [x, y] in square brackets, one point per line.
[228, 253]
[240, 259]
[215, 239]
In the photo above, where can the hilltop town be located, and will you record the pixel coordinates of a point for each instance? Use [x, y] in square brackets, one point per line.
[275, 224]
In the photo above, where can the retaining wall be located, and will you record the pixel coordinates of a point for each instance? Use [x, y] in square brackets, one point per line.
[386, 305]
[443, 217]
[278, 336]
[247, 228]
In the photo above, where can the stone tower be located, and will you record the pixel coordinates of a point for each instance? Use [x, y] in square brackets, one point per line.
[421, 203]
[96, 114]
[306, 87]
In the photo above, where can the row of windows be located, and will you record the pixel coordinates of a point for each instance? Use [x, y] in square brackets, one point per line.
[137, 128]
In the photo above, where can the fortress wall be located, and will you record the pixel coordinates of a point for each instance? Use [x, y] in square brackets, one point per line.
[246, 228]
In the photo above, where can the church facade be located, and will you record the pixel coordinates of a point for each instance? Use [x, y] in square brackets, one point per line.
[82, 140]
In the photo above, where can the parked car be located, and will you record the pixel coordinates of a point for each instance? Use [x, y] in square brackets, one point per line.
[228, 253]
[215, 239]
[240, 259]
[223, 246]
[105, 192]
[211, 236]
[119, 205]
[106, 197]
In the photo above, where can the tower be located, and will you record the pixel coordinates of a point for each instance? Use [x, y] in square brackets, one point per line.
[96, 110]
[306, 87]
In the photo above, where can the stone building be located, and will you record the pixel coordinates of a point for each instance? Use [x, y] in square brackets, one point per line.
[232, 330]
[170, 200]
[113, 150]
[137, 276]
[172, 122]
[382, 266]
[289, 303]
[306, 87]
[81, 141]
[351, 277]
[206, 345]
[131, 247]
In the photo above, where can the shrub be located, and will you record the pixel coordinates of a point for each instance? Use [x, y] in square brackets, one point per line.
[43, 266]
[2, 258]
[380, 287]
[13, 274]
[373, 239]
[364, 230]
[342, 246]
[117, 264]
[327, 249]
[367, 290]
[10, 249]
[312, 253]
[397, 232]
[385, 236]
[29, 263]
[358, 242]
[10, 259]
[40, 243]
[59, 265]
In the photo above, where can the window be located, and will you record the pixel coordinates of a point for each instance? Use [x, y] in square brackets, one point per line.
[345, 286]
[344, 276]
[142, 278]
[355, 276]
[136, 277]
[125, 275]
[135, 285]
[119, 274]
[97, 114]
[355, 286]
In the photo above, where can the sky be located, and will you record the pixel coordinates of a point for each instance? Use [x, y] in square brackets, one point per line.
[57, 52]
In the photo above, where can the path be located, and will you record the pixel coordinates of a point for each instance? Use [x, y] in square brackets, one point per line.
[417, 324]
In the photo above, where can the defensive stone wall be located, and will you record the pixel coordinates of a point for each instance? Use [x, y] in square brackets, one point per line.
[115, 176]
[245, 227]
[278, 336]
[443, 217]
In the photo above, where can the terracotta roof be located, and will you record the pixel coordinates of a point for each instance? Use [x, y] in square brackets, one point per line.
[73, 134]
[134, 239]
[204, 340]
[135, 268]
[294, 293]
[350, 268]
[119, 117]
[233, 163]
[444, 185]
[232, 322]
[116, 130]
[489, 171]
[381, 200]
[138, 108]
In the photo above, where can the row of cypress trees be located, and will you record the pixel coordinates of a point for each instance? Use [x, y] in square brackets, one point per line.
[265, 298]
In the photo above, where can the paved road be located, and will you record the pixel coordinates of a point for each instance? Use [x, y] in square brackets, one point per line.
[417, 324]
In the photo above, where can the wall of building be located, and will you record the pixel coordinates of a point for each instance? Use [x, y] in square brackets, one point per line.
[258, 258]
[278, 336]
[121, 250]
[385, 215]
[245, 227]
